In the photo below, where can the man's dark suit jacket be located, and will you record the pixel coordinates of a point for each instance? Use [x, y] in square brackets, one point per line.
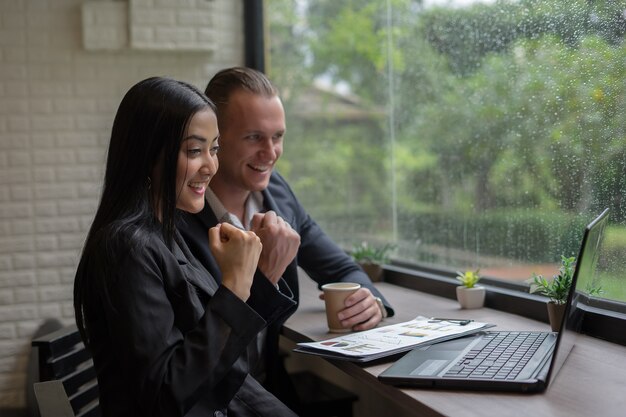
[318, 255]
[169, 341]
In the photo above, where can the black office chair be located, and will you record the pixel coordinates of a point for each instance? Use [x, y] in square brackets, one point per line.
[65, 363]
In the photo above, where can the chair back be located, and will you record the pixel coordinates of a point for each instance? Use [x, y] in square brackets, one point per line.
[63, 357]
[52, 399]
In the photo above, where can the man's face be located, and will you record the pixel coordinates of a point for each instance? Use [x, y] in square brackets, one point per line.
[252, 128]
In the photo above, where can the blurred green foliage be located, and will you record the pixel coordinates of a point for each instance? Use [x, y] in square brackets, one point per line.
[496, 129]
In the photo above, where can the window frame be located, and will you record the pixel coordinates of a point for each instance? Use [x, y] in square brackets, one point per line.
[254, 34]
[603, 319]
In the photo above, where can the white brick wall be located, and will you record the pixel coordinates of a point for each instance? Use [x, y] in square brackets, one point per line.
[57, 103]
[173, 24]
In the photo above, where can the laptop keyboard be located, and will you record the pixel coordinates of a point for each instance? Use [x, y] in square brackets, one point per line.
[499, 355]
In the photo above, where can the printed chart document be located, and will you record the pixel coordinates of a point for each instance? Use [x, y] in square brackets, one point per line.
[389, 340]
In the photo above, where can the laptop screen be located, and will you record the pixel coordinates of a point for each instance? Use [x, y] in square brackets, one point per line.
[581, 281]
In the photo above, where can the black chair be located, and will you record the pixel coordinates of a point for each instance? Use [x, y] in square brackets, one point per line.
[32, 371]
[64, 358]
[68, 381]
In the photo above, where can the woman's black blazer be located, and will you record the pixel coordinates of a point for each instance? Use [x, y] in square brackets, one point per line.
[168, 341]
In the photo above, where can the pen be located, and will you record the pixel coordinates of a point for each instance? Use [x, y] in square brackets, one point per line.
[460, 322]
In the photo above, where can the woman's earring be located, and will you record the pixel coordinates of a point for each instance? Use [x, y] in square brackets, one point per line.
[149, 183]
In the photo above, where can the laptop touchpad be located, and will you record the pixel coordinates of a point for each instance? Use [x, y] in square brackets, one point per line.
[430, 367]
[437, 356]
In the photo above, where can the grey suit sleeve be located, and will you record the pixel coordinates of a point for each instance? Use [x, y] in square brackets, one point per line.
[326, 262]
[322, 259]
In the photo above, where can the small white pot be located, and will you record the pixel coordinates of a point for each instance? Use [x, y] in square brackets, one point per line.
[470, 297]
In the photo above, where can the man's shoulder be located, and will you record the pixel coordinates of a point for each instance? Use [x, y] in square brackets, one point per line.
[279, 187]
[277, 180]
[280, 194]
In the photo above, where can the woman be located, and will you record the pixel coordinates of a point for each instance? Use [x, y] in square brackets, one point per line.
[167, 339]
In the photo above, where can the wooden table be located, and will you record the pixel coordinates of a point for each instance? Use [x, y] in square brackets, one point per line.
[592, 381]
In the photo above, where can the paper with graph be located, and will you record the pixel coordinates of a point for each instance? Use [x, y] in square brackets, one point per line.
[392, 339]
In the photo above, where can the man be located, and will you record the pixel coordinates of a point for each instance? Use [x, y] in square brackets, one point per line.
[247, 192]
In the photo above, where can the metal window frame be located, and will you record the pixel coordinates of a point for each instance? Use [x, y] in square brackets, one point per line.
[254, 34]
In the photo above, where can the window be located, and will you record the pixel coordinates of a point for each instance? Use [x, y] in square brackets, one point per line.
[470, 134]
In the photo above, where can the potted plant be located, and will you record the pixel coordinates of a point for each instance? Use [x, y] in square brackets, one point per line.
[371, 258]
[468, 293]
[556, 290]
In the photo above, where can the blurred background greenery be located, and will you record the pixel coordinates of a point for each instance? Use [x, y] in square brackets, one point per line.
[481, 135]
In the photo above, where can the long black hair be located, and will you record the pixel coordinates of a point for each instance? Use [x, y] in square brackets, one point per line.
[147, 133]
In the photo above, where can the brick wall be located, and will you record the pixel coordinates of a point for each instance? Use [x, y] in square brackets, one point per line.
[63, 71]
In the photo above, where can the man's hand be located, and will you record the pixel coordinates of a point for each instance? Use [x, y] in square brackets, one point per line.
[280, 244]
[361, 312]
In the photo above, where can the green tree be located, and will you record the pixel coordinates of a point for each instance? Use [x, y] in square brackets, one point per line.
[466, 35]
[494, 108]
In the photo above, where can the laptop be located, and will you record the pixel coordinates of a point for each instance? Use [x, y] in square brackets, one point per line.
[519, 361]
